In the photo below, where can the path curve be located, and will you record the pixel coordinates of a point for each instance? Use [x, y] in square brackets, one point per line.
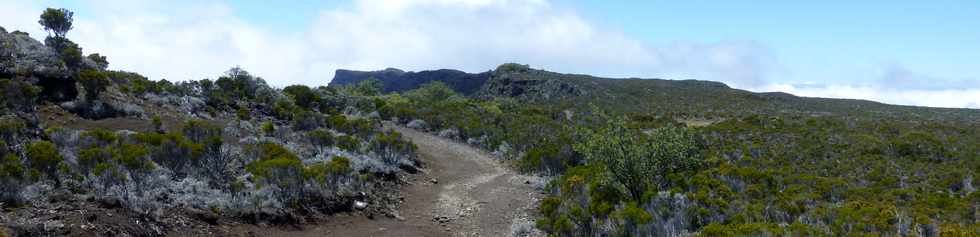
[473, 195]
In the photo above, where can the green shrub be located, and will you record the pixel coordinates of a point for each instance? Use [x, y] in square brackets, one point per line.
[18, 95]
[304, 120]
[302, 95]
[321, 139]
[100, 137]
[94, 82]
[11, 128]
[100, 61]
[277, 166]
[328, 172]
[90, 157]
[12, 179]
[172, 150]
[637, 161]
[431, 93]
[348, 143]
[631, 217]
[513, 67]
[69, 51]
[340, 123]
[135, 158]
[390, 146]
[268, 129]
[157, 123]
[108, 175]
[283, 109]
[44, 157]
[244, 114]
[369, 87]
[199, 130]
[268, 151]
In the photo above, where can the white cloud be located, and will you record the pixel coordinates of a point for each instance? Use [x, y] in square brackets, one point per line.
[950, 98]
[895, 85]
[193, 40]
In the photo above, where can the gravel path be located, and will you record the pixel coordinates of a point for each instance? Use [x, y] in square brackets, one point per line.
[463, 191]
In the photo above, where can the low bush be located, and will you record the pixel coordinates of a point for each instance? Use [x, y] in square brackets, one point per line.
[306, 120]
[269, 129]
[43, 156]
[391, 147]
[13, 178]
[94, 82]
[321, 139]
[348, 143]
[198, 130]
[11, 128]
[18, 95]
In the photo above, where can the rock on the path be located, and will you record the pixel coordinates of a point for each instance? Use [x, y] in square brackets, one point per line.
[359, 205]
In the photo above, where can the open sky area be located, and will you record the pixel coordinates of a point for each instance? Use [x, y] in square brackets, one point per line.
[901, 52]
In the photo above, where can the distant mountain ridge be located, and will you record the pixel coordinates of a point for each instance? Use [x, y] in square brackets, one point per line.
[635, 95]
[396, 80]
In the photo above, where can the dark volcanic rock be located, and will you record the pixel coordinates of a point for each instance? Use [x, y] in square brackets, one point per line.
[396, 80]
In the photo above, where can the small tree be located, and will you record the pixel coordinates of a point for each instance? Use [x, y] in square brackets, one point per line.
[57, 21]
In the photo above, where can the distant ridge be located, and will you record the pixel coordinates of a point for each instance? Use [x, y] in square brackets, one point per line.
[396, 80]
[635, 95]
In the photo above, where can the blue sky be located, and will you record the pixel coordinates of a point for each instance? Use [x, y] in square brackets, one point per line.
[818, 40]
[903, 52]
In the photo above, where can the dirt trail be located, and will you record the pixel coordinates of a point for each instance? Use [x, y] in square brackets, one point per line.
[473, 195]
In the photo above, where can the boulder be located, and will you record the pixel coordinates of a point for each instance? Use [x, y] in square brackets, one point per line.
[418, 124]
[22, 55]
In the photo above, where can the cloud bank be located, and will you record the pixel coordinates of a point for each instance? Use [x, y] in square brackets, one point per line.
[193, 40]
[200, 39]
[896, 85]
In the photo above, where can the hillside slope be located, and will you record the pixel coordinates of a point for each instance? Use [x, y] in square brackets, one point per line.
[643, 96]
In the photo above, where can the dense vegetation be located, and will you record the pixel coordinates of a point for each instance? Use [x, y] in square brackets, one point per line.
[232, 147]
[626, 173]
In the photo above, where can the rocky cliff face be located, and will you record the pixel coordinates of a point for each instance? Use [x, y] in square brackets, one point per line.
[22, 55]
[529, 84]
[396, 80]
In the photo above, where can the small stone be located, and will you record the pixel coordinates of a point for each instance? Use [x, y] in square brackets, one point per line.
[359, 205]
[434, 181]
